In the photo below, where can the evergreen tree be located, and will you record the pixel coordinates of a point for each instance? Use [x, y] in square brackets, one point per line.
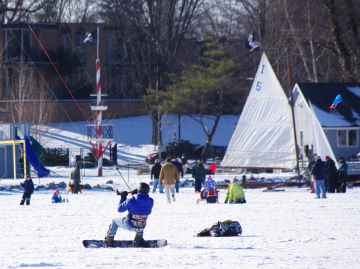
[206, 88]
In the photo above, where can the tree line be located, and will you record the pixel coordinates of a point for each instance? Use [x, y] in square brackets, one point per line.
[321, 36]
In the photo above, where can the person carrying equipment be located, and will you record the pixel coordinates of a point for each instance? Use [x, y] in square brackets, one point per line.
[139, 208]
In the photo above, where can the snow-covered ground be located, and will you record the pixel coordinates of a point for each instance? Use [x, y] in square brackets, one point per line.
[286, 229]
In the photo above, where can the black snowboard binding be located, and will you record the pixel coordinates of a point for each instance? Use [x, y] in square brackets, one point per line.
[109, 241]
[139, 240]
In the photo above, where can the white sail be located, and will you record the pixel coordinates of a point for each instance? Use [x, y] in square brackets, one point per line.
[263, 137]
[321, 144]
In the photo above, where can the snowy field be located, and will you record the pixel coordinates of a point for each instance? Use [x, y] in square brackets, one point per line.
[288, 229]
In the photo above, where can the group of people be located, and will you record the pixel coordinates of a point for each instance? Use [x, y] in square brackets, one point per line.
[28, 186]
[167, 176]
[326, 177]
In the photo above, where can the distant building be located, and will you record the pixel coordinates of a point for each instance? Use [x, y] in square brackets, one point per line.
[341, 125]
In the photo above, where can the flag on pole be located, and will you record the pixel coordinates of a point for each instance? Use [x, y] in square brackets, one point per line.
[253, 43]
[337, 100]
[90, 38]
[212, 168]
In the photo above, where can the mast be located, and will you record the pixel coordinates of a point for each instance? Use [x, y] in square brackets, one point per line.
[293, 113]
[99, 108]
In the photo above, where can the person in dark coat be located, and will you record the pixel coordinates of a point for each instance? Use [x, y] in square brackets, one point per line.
[319, 172]
[28, 186]
[155, 173]
[198, 173]
[342, 175]
[178, 165]
[331, 174]
[75, 177]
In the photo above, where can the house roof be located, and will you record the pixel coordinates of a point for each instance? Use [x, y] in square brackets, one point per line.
[322, 95]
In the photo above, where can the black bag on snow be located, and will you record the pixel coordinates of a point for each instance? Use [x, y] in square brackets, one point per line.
[225, 228]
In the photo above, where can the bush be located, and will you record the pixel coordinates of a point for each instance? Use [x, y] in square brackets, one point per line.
[181, 148]
[55, 159]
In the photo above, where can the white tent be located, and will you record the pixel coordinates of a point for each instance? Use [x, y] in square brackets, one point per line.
[264, 136]
[309, 128]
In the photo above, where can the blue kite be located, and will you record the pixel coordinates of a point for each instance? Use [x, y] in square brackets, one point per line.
[337, 100]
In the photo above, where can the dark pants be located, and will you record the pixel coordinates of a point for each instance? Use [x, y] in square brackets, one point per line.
[76, 189]
[26, 197]
[332, 182]
[341, 184]
[197, 184]
[341, 187]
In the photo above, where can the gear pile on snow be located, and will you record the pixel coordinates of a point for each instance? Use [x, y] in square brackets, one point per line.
[225, 228]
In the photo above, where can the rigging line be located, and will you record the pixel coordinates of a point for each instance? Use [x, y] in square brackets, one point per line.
[52, 63]
[57, 71]
[75, 50]
[43, 79]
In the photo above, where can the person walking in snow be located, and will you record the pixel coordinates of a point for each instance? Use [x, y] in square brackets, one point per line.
[75, 177]
[139, 207]
[331, 174]
[342, 175]
[155, 174]
[178, 165]
[198, 173]
[169, 175]
[28, 186]
[319, 172]
[235, 193]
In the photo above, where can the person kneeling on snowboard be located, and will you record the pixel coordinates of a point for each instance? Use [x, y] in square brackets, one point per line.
[235, 193]
[139, 208]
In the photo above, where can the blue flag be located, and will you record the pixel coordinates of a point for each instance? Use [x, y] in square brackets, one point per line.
[338, 100]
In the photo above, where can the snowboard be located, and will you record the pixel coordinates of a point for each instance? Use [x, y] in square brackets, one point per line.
[125, 243]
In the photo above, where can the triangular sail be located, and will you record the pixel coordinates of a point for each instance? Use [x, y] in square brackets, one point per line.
[321, 144]
[263, 137]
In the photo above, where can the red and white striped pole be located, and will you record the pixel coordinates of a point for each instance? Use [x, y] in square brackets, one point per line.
[99, 117]
[99, 111]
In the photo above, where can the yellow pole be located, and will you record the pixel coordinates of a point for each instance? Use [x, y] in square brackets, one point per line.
[23, 141]
[14, 160]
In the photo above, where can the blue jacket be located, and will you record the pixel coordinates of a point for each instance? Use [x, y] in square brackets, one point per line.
[28, 186]
[319, 170]
[140, 204]
[56, 199]
[210, 184]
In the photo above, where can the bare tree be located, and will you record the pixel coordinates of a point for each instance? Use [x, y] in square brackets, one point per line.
[157, 29]
[72, 11]
[29, 101]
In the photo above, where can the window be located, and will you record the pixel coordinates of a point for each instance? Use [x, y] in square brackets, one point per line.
[347, 138]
